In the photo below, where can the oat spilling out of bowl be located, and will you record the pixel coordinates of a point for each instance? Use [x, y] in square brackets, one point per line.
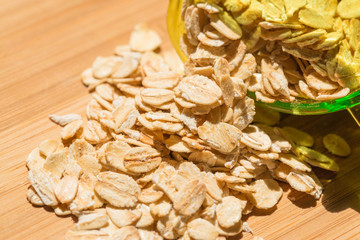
[281, 49]
[168, 151]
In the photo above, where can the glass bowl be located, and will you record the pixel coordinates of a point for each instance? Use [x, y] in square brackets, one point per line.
[176, 29]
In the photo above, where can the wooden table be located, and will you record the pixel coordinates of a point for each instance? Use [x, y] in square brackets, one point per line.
[45, 45]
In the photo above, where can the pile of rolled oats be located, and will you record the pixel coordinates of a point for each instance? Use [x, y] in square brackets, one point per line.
[281, 49]
[168, 154]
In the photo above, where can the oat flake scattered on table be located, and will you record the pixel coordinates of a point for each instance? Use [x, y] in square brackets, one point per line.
[167, 151]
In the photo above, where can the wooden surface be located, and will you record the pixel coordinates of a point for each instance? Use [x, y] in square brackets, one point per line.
[44, 46]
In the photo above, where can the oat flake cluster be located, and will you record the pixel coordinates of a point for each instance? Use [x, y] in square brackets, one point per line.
[168, 154]
[281, 49]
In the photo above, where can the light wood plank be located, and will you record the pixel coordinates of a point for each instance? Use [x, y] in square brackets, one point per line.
[45, 45]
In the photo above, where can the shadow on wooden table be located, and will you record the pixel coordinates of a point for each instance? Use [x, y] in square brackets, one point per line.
[51, 210]
[342, 189]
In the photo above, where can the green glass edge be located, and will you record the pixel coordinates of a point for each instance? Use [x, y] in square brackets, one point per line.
[176, 29]
[311, 107]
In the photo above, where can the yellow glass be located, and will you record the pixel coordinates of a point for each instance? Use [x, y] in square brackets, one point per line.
[176, 29]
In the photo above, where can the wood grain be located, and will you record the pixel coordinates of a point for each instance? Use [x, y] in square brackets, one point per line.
[45, 45]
